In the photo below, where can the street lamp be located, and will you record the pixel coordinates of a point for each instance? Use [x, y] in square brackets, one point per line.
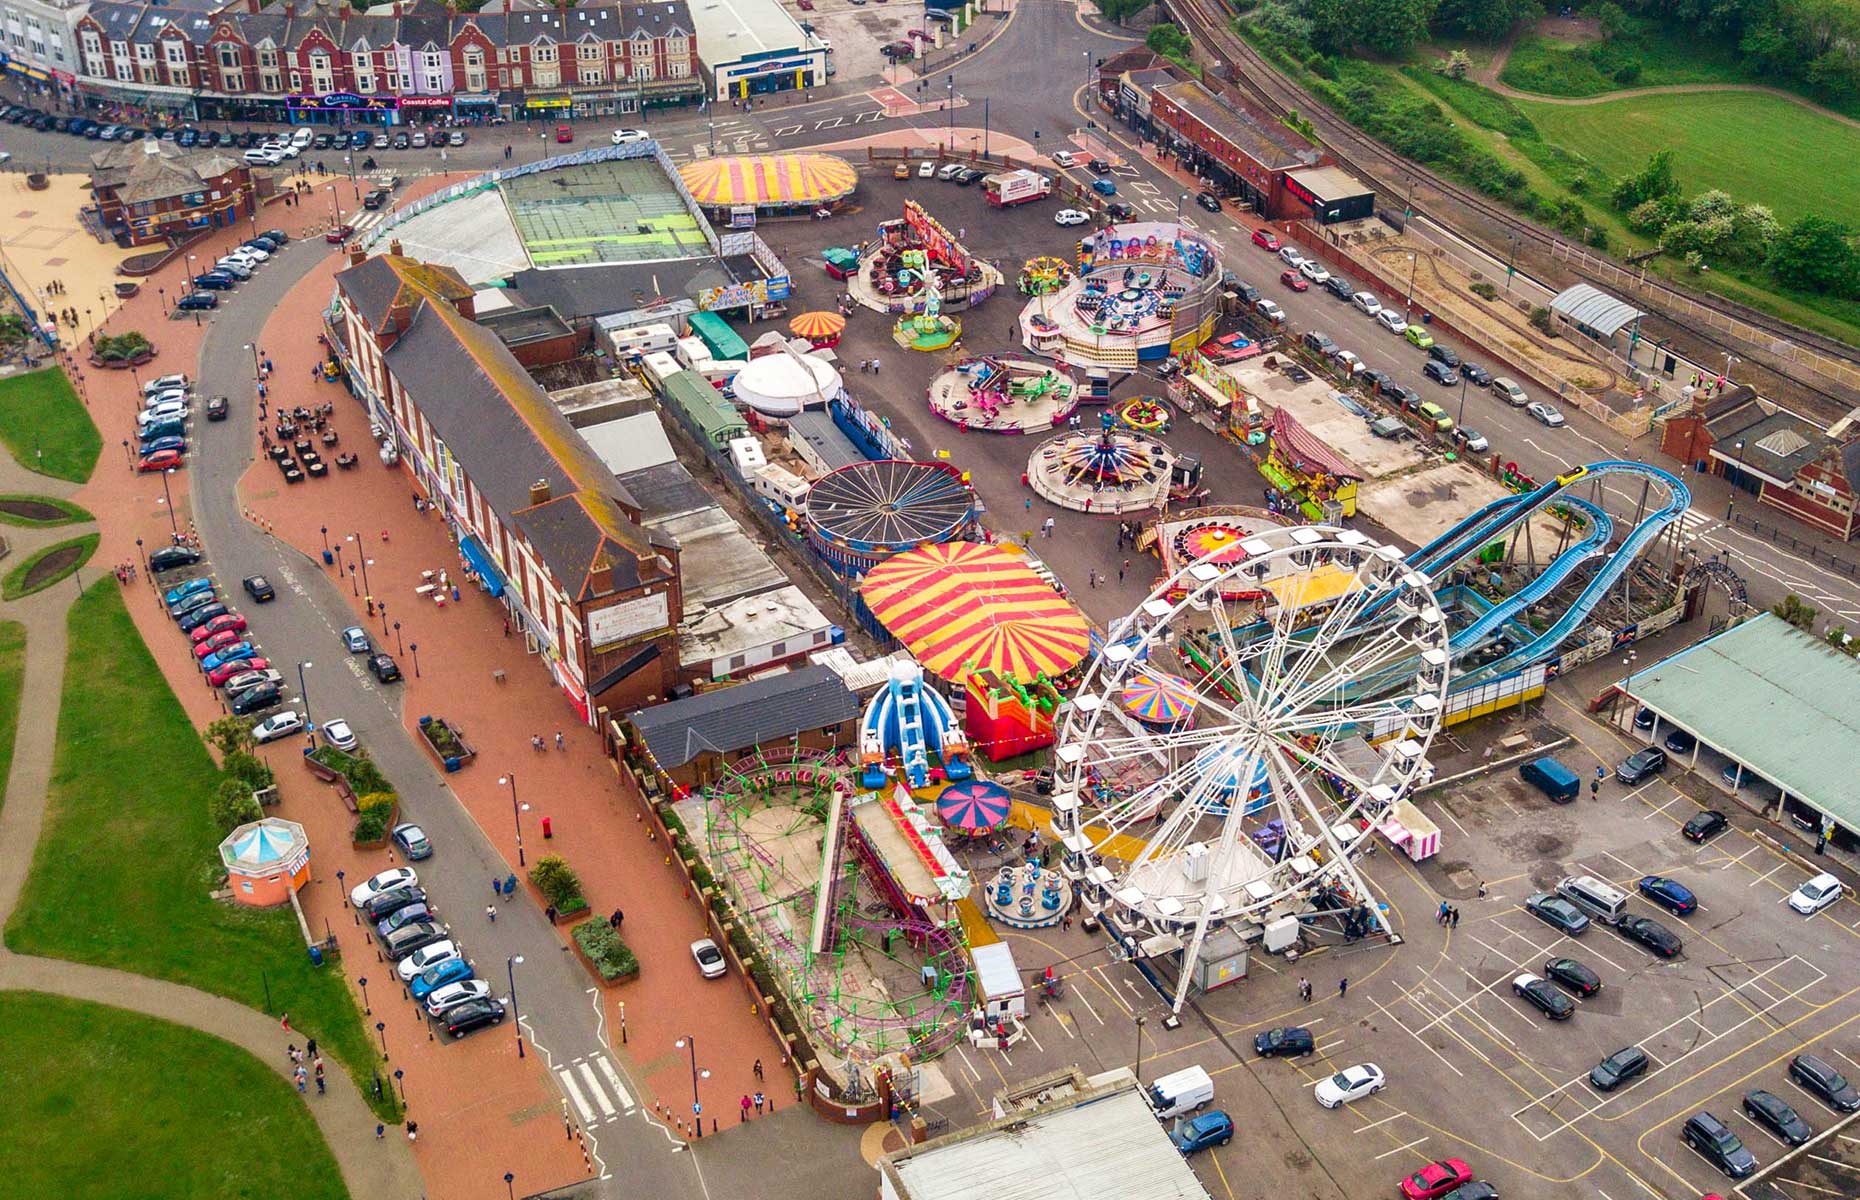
[516, 809]
[1407, 305]
[1462, 419]
[516, 1011]
[949, 107]
[1141, 1021]
[168, 500]
[697, 1106]
[381, 1030]
[1731, 500]
[364, 983]
[304, 688]
[326, 539]
[400, 1077]
[144, 556]
[357, 539]
[398, 647]
[510, 1186]
[414, 647]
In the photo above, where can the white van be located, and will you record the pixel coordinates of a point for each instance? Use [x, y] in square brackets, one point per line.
[1599, 899]
[642, 340]
[302, 137]
[1187, 1090]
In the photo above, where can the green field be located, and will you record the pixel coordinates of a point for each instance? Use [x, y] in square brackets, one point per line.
[103, 1104]
[1758, 148]
[12, 678]
[1553, 67]
[129, 762]
[47, 427]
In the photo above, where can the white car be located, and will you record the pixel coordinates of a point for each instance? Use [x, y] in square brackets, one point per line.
[1815, 895]
[338, 734]
[1391, 320]
[1545, 413]
[927, 169]
[626, 137]
[1351, 1083]
[166, 411]
[1366, 303]
[171, 396]
[426, 958]
[238, 268]
[276, 726]
[263, 156]
[167, 383]
[1290, 257]
[387, 881]
[302, 137]
[1311, 269]
[1347, 361]
[1063, 158]
[454, 994]
[709, 958]
[1270, 311]
[252, 253]
[1070, 216]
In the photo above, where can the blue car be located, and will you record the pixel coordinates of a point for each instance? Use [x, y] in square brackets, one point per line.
[215, 281]
[1208, 1129]
[232, 653]
[1104, 187]
[170, 442]
[177, 594]
[433, 978]
[1670, 894]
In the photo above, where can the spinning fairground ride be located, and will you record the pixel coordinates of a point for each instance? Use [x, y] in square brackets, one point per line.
[1247, 813]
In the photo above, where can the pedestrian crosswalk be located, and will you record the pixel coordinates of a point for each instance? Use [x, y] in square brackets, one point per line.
[1694, 523]
[593, 1086]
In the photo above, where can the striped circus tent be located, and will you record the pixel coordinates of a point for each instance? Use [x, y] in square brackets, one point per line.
[769, 180]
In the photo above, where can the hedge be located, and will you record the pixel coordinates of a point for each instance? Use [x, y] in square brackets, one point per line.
[610, 956]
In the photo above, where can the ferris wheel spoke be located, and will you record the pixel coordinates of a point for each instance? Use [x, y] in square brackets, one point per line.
[1363, 713]
[1339, 621]
[1377, 656]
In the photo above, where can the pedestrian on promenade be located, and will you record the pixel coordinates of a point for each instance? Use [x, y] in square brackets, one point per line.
[1029, 504]
[319, 1077]
[310, 1048]
[760, 1101]
[380, 1131]
[1482, 889]
[1595, 789]
[1092, 577]
[746, 1103]
[758, 1070]
[536, 742]
[490, 913]
[616, 919]
[1343, 987]
[549, 914]
[1440, 914]
[301, 1078]
[1456, 917]
[875, 366]
[558, 739]
[284, 1022]
[497, 886]
[1304, 989]
[413, 1131]
[1121, 569]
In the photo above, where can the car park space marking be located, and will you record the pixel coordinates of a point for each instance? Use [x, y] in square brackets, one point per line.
[1654, 812]
[1399, 1149]
[1403, 1026]
[1739, 860]
[1765, 877]
[1738, 1113]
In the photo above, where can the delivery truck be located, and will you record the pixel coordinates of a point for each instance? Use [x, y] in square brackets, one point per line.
[1008, 188]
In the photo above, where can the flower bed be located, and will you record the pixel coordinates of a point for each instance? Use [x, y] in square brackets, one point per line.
[447, 743]
[375, 816]
[608, 958]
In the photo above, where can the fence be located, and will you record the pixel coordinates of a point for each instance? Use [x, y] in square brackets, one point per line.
[1816, 554]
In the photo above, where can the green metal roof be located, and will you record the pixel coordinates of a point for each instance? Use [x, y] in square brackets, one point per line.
[1782, 702]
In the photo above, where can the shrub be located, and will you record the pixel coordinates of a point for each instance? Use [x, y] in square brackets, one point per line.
[232, 806]
[230, 736]
[558, 883]
[374, 811]
[1484, 290]
[1540, 320]
[250, 770]
[122, 347]
[1651, 216]
[1627, 72]
[610, 956]
[1597, 237]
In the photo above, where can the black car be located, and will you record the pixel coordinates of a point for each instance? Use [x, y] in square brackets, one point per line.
[1246, 291]
[1441, 354]
[1822, 1081]
[1774, 1114]
[1556, 911]
[1537, 992]
[473, 1014]
[968, 177]
[1680, 742]
[1098, 166]
[320, 141]
[250, 138]
[376, 199]
[170, 558]
[1440, 373]
[1378, 381]
[385, 904]
[1208, 200]
[1479, 376]
[276, 235]
[1340, 287]
[400, 141]
[1573, 975]
[1117, 210]
[1651, 934]
[384, 667]
[1719, 1146]
[1641, 764]
[256, 699]
[1624, 1064]
[197, 301]
[1286, 1041]
[1403, 397]
[218, 409]
[188, 604]
[1705, 825]
[1644, 719]
[259, 588]
[201, 616]
[1478, 1189]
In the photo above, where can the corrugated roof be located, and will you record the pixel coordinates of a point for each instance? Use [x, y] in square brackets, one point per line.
[1332, 183]
[1595, 309]
[1782, 702]
[817, 429]
[1272, 147]
[733, 719]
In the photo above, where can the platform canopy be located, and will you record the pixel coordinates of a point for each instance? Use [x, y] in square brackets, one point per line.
[960, 605]
[1594, 309]
[769, 180]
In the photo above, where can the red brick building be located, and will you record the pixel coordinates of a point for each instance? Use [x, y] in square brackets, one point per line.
[1245, 154]
[151, 191]
[1779, 458]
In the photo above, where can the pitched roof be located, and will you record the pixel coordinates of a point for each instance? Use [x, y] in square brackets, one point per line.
[378, 285]
[1271, 146]
[732, 719]
[154, 170]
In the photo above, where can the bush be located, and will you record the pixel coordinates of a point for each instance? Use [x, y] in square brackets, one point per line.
[1484, 290]
[1628, 72]
[558, 883]
[1540, 320]
[232, 806]
[122, 347]
[230, 736]
[610, 956]
[363, 776]
[374, 812]
[250, 770]
[1597, 237]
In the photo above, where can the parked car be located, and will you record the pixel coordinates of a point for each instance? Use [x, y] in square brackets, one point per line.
[402, 140]
[200, 616]
[355, 640]
[1311, 269]
[1536, 991]
[215, 281]
[384, 667]
[1627, 1063]
[453, 970]
[1319, 342]
[338, 734]
[1557, 912]
[1104, 187]
[1443, 354]
[1819, 1079]
[1545, 414]
[1366, 303]
[182, 591]
[237, 652]
[1289, 1040]
[1269, 311]
[1392, 321]
[456, 138]
[1062, 158]
[188, 604]
[1341, 288]
[1705, 825]
[443, 999]
[1670, 894]
[1440, 373]
[1470, 440]
[172, 558]
[218, 409]
[419, 139]
[254, 700]
[197, 301]
[1774, 1114]
[1208, 201]
[426, 958]
[1118, 211]
[1351, 1083]
[1292, 279]
[1651, 934]
[1573, 975]
[1418, 336]
[473, 1014]
[1204, 1130]
[1680, 742]
[276, 726]
[1476, 375]
[1265, 239]
[1069, 216]
[411, 939]
[216, 642]
[1816, 894]
[1642, 764]
[1290, 256]
[1436, 1179]
[413, 842]
[165, 383]
[709, 959]
[259, 588]
[253, 672]
[392, 879]
[402, 917]
[1718, 1145]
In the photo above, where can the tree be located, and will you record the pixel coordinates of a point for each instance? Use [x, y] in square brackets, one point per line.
[1484, 20]
[1455, 65]
[1797, 611]
[249, 769]
[1394, 27]
[1816, 254]
[1652, 182]
[1612, 20]
[230, 736]
[1119, 11]
[232, 806]
[1170, 42]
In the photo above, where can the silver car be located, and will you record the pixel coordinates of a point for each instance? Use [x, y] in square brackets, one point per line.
[454, 994]
[1545, 413]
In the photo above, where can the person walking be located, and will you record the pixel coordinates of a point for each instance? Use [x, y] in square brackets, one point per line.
[310, 1048]
[319, 1077]
[758, 1070]
[1595, 789]
[413, 1131]
[1440, 915]
[1343, 987]
[760, 1101]
[490, 913]
[616, 919]
[301, 1078]
[1123, 567]
[746, 1103]
[875, 366]
[380, 1131]
[1304, 989]
[1092, 577]
[1482, 889]
[559, 744]
[284, 1022]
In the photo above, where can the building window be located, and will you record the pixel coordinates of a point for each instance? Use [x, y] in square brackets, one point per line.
[738, 662]
[642, 69]
[591, 73]
[675, 46]
[681, 68]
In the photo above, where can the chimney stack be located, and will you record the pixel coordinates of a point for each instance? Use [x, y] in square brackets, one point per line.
[357, 255]
[394, 247]
[539, 492]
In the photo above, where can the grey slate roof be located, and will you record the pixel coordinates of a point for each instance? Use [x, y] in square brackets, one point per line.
[666, 490]
[732, 719]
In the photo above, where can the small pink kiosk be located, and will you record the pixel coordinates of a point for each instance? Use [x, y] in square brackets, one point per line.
[266, 861]
[1408, 827]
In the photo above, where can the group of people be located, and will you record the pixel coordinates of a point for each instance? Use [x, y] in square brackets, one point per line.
[299, 1074]
[125, 572]
[1449, 915]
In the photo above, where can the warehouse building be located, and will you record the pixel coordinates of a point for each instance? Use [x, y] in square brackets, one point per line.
[753, 48]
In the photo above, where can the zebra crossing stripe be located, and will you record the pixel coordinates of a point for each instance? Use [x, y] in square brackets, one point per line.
[594, 1089]
[574, 1093]
[613, 1081]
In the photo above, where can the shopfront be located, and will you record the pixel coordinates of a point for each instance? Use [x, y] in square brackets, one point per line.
[343, 108]
[605, 104]
[541, 106]
[425, 110]
[130, 103]
[758, 77]
[478, 108]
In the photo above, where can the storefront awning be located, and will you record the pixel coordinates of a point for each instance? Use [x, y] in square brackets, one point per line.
[482, 564]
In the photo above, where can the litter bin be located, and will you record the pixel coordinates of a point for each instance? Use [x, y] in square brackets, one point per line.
[328, 558]
[316, 956]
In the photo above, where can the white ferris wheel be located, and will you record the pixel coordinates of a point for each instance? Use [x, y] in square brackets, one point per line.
[1315, 666]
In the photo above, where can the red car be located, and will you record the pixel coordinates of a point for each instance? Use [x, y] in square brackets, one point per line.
[1436, 1179]
[1264, 240]
[1295, 281]
[339, 234]
[238, 666]
[219, 624]
[161, 460]
[804, 5]
[217, 641]
[564, 133]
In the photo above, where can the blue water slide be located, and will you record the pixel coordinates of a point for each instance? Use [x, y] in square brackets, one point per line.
[1475, 530]
[1601, 532]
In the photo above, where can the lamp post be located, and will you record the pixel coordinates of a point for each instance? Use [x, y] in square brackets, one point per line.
[167, 498]
[516, 809]
[510, 1186]
[381, 1031]
[1178, 206]
[1141, 1021]
[326, 539]
[400, 1077]
[414, 647]
[304, 688]
[365, 560]
[1462, 419]
[949, 108]
[398, 647]
[382, 605]
[516, 1010]
[1731, 500]
[697, 1106]
[353, 585]
[143, 554]
[363, 981]
[1407, 305]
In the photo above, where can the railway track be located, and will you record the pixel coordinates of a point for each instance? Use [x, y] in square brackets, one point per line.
[1392, 175]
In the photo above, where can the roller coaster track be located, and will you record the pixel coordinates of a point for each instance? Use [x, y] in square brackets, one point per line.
[1208, 22]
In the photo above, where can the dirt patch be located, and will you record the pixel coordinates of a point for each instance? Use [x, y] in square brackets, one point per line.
[1577, 29]
[32, 510]
[59, 562]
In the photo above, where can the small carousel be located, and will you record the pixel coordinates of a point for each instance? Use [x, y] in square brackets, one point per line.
[928, 329]
[1145, 414]
[1217, 535]
[821, 329]
[1044, 275]
[910, 254]
[1110, 471]
[999, 394]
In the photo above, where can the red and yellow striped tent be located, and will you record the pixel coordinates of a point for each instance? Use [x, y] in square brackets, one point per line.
[958, 605]
[769, 180]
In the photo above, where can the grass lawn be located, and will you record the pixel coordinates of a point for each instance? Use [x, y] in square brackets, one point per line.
[147, 910]
[1554, 67]
[104, 1104]
[12, 677]
[67, 556]
[1758, 148]
[47, 427]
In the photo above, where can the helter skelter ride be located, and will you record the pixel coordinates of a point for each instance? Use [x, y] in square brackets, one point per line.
[1312, 714]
